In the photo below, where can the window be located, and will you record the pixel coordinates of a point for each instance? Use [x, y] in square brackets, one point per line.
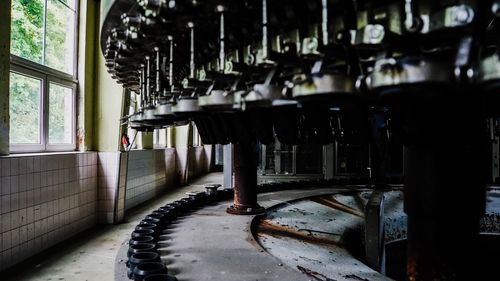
[132, 134]
[44, 32]
[196, 135]
[162, 138]
[43, 75]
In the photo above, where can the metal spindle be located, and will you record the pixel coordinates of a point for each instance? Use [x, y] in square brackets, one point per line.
[171, 63]
[191, 58]
[324, 22]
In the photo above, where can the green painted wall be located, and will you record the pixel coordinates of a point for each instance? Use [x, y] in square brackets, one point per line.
[182, 136]
[89, 13]
[147, 140]
[108, 104]
[107, 110]
[4, 75]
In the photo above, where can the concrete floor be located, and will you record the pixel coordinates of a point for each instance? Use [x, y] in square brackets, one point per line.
[210, 244]
[91, 255]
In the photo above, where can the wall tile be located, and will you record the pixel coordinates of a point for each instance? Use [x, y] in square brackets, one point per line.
[46, 199]
[14, 184]
[14, 201]
[23, 234]
[22, 165]
[6, 240]
[14, 234]
[29, 181]
[30, 215]
[14, 219]
[23, 200]
[22, 216]
[14, 166]
[22, 182]
[5, 167]
[5, 185]
[30, 164]
[36, 164]
[5, 204]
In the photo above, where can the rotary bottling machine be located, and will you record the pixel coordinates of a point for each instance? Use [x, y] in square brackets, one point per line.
[422, 73]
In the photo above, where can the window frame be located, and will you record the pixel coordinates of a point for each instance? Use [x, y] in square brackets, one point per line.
[60, 146]
[23, 147]
[160, 138]
[49, 75]
[46, 79]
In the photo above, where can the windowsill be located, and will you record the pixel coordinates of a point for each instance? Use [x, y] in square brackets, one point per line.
[31, 154]
[146, 149]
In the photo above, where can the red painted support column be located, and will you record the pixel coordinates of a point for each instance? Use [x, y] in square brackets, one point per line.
[245, 174]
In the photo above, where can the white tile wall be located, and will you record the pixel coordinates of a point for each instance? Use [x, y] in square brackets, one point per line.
[43, 201]
[108, 181]
[149, 173]
[46, 199]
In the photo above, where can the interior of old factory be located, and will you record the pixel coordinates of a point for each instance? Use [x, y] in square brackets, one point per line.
[244, 140]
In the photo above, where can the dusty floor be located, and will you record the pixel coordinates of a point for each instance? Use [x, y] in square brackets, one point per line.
[90, 256]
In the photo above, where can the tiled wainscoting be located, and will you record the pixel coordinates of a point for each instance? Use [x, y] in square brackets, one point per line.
[152, 171]
[200, 160]
[149, 173]
[112, 173]
[44, 200]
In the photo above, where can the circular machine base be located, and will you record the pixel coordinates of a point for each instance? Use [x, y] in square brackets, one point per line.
[307, 234]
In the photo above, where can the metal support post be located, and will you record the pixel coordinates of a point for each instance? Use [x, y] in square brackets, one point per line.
[245, 177]
[228, 166]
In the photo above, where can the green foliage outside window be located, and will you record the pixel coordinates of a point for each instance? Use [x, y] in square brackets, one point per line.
[24, 109]
[27, 37]
[43, 31]
[27, 29]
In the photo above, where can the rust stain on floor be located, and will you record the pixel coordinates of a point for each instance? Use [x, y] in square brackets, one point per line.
[276, 230]
[334, 204]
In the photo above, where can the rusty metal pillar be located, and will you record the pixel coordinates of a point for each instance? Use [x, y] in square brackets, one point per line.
[245, 180]
[444, 189]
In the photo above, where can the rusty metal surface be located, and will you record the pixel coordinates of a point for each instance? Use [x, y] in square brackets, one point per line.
[245, 177]
[323, 236]
[374, 231]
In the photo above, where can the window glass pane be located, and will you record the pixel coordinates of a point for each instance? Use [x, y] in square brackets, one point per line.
[170, 142]
[24, 109]
[60, 40]
[196, 135]
[309, 159]
[156, 138]
[70, 3]
[163, 137]
[27, 29]
[60, 114]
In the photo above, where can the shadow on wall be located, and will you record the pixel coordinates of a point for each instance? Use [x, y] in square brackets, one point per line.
[151, 172]
[193, 162]
[44, 200]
